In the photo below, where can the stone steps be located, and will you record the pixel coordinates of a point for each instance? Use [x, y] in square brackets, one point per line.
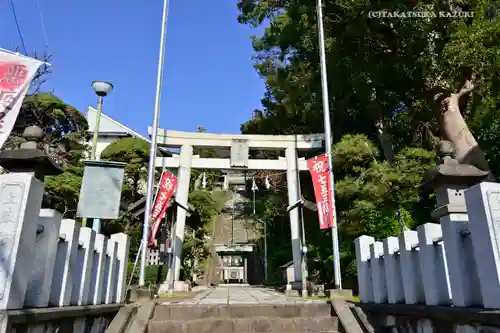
[265, 318]
[199, 311]
[243, 325]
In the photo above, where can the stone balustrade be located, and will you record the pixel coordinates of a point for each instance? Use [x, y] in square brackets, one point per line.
[454, 262]
[51, 262]
[426, 277]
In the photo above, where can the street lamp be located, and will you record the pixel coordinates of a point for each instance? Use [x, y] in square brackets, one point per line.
[102, 89]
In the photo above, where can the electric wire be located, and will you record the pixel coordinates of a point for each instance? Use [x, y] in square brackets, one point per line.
[17, 26]
[42, 21]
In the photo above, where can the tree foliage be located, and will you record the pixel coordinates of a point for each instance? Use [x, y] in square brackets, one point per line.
[134, 152]
[386, 75]
[65, 133]
[396, 86]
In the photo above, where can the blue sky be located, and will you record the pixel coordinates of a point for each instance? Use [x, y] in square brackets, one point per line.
[208, 79]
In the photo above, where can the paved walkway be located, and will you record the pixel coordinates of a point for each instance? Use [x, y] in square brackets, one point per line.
[242, 295]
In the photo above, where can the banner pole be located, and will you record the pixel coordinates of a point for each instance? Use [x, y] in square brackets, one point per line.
[135, 265]
[328, 146]
[152, 151]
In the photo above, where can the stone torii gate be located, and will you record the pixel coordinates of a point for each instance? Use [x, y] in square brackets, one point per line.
[239, 146]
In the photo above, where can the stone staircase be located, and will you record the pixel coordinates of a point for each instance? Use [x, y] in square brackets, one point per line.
[241, 318]
[239, 230]
[228, 230]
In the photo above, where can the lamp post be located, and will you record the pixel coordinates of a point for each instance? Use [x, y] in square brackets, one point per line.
[102, 89]
[328, 144]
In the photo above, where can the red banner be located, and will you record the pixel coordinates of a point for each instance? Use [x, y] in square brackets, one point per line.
[16, 74]
[166, 189]
[318, 167]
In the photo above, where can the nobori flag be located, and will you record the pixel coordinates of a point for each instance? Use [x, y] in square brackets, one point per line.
[16, 74]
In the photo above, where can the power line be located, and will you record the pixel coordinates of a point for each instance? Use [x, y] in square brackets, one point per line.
[17, 26]
[44, 30]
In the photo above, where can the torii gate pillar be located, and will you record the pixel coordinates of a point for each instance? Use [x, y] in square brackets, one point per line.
[292, 178]
[183, 176]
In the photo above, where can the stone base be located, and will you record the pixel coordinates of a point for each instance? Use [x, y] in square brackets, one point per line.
[341, 293]
[163, 288]
[295, 285]
[138, 294]
[292, 292]
[234, 285]
[304, 293]
[179, 286]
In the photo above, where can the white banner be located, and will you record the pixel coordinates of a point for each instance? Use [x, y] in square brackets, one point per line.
[16, 74]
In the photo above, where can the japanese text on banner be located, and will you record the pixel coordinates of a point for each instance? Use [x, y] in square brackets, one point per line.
[16, 74]
[166, 188]
[318, 168]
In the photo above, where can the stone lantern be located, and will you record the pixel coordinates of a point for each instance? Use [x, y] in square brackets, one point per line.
[449, 179]
[29, 159]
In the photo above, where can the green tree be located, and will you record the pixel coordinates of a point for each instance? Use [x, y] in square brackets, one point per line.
[134, 152]
[65, 133]
[396, 73]
[402, 83]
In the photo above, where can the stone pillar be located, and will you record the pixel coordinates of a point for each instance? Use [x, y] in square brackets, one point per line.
[363, 258]
[449, 180]
[20, 200]
[110, 275]
[83, 268]
[393, 271]
[98, 267]
[483, 202]
[122, 265]
[378, 272]
[181, 197]
[433, 264]
[38, 292]
[464, 280]
[292, 175]
[410, 267]
[62, 281]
